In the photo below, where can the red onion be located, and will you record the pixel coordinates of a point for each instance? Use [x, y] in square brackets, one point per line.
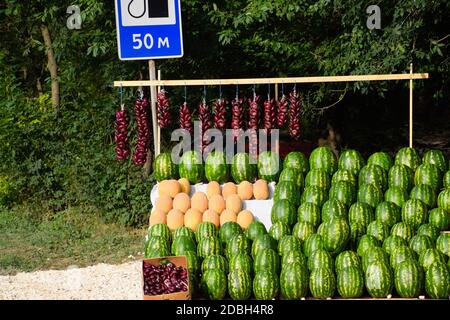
[163, 109]
[121, 135]
[140, 153]
[295, 111]
[219, 114]
[185, 118]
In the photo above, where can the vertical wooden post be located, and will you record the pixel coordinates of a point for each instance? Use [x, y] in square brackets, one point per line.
[158, 151]
[276, 91]
[152, 71]
[411, 107]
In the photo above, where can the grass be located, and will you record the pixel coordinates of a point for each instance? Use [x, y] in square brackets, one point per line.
[74, 236]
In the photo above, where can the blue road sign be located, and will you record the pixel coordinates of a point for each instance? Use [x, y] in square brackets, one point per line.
[149, 29]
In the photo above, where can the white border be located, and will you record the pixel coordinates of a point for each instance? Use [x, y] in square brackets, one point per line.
[150, 57]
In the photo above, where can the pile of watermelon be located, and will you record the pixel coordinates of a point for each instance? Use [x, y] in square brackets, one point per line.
[341, 227]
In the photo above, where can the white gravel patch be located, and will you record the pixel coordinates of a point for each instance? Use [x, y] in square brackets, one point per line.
[98, 282]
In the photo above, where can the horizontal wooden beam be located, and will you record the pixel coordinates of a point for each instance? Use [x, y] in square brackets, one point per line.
[216, 82]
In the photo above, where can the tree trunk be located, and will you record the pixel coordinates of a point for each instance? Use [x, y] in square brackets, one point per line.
[52, 67]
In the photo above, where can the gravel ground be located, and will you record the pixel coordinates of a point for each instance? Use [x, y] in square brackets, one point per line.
[99, 282]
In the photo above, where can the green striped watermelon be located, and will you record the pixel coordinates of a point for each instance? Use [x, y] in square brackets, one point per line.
[242, 262]
[323, 158]
[419, 243]
[365, 243]
[374, 254]
[239, 285]
[424, 193]
[266, 285]
[429, 230]
[296, 160]
[267, 259]
[357, 230]
[361, 212]
[293, 175]
[278, 230]
[288, 244]
[228, 230]
[379, 279]
[444, 200]
[347, 259]
[437, 281]
[216, 167]
[409, 157]
[320, 259]
[350, 282]
[215, 261]
[191, 167]
[428, 174]
[309, 212]
[315, 195]
[206, 229]
[255, 229]
[439, 218]
[351, 160]
[370, 194]
[208, 246]
[287, 190]
[164, 168]
[269, 166]
[184, 231]
[404, 230]
[312, 243]
[344, 175]
[261, 242]
[243, 168]
[283, 211]
[414, 213]
[335, 234]
[388, 213]
[401, 176]
[379, 230]
[429, 257]
[160, 230]
[318, 177]
[393, 242]
[408, 279]
[159, 251]
[192, 261]
[446, 179]
[238, 243]
[437, 158]
[303, 230]
[401, 254]
[373, 174]
[322, 283]
[294, 280]
[382, 159]
[343, 191]
[214, 284]
[293, 256]
[396, 195]
[443, 244]
[333, 208]
[182, 244]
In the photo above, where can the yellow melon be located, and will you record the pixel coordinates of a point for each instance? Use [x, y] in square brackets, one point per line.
[182, 202]
[199, 201]
[245, 190]
[216, 203]
[184, 185]
[213, 188]
[244, 218]
[211, 216]
[227, 216]
[228, 188]
[233, 203]
[169, 187]
[175, 219]
[164, 203]
[192, 218]
[261, 190]
[157, 216]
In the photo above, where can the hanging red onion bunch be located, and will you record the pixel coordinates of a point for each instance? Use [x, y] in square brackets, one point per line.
[185, 117]
[121, 135]
[204, 115]
[295, 111]
[253, 123]
[140, 153]
[270, 113]
[282, 115]
[219, 114]
[237, 116]
[163, 109]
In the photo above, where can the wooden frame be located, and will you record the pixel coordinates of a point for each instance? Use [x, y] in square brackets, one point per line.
[251, 81]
